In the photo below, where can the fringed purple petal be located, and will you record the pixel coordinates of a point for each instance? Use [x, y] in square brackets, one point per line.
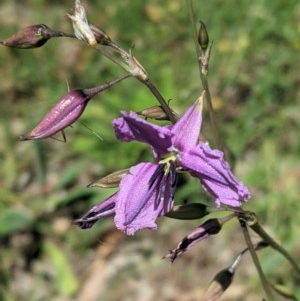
[215, 175]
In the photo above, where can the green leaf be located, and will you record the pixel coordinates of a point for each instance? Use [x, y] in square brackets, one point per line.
[65, 280]
[14, 219]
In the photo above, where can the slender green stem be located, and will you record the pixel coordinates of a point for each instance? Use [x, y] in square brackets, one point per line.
[262, 277]
[272, 243]
[203, 78]
[251, 220]
[98, 89]
[149, 84]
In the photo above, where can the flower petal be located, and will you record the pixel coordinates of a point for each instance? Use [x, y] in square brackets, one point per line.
[215, 175]
[130, 127]
[187, 129]
[136, 207]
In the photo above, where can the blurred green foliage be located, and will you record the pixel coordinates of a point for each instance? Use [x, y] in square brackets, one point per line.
[254, 79]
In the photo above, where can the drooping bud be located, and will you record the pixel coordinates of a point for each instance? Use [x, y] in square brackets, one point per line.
[224, 278]
[28, 37]
[219, 284]
[81, 26]
[66, 111]
[208, 228]
[203, 38]
[110, 181]
[103, 209]
[188, 211]
[156, 113]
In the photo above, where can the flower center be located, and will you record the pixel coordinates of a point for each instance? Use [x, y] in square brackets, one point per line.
[168, 160]
[163, 179]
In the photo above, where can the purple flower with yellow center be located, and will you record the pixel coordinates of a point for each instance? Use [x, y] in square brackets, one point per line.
[147, 191]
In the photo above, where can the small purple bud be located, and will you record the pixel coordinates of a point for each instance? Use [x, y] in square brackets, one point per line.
[101, 210]
[28, 37]
[33, 36]
[210, 227]
[66, 111]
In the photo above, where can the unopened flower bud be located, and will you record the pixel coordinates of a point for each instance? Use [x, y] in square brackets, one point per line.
[28, 37]
[156, 113]
[203, 37]
[66, 111]
[188, 211]
[219, 284]
[101, 210]
[81, 26]
[100, 35]
[208, 228]
[33, 36]
[110, 181]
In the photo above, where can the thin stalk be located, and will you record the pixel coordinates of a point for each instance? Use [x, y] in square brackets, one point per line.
[98, 89]
[160, 99]
[112, 58]
[204, 80]
[262, 277]
[149, 84]
[272, 243]
[251, 220]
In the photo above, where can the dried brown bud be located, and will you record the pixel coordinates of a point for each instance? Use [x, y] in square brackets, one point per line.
[81, 26]
[155, 112]
[111, 180]
[134, 67]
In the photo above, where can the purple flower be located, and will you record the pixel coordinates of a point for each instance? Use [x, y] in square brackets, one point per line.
[147, 191]
[179, 143]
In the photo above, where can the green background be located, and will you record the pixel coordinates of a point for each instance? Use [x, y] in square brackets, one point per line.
[254, 80]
